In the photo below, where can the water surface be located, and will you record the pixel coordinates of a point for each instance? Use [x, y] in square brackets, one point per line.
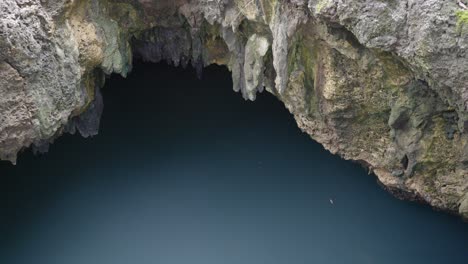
[184, 171]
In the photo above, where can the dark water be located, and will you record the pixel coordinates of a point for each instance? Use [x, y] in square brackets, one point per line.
[186, 172]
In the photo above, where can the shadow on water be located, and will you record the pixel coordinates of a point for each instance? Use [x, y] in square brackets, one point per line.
[186, 171]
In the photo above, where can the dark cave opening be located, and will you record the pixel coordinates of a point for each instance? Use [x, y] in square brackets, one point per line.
[404, 162]
[184, 170]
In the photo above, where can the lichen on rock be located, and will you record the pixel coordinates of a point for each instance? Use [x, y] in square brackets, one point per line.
[462, 18]
[382, 83]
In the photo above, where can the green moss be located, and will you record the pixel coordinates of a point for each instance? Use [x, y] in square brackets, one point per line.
[462, 18]
[303, 57]
[320, 5]
[309, 56]
[440, 154]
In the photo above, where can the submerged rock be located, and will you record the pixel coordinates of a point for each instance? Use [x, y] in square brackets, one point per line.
[383, 83]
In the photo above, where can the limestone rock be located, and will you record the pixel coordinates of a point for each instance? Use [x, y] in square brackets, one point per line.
[464, 207]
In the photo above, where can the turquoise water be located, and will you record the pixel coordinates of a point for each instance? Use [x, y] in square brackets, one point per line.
[186, 171]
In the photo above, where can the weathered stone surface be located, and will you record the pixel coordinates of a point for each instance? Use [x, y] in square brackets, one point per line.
[255, 49]
[383, 83]
[464, 207]
[16, 111]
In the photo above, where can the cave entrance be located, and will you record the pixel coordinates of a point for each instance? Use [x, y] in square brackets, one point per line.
[186, 171]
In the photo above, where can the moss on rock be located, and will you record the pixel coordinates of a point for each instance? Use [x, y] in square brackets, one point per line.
[462, 18]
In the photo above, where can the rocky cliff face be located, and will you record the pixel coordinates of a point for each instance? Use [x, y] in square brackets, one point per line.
[383, 83]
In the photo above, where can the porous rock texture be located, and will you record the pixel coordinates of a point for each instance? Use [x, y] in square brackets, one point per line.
[380, 82]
